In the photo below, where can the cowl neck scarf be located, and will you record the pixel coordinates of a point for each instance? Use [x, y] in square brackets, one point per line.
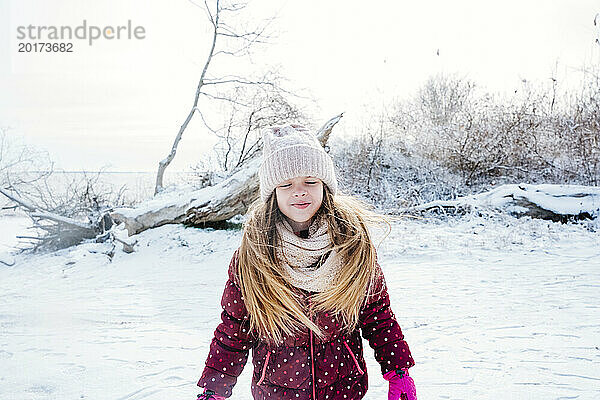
[310, 264]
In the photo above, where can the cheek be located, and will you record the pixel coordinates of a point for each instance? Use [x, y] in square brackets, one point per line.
[317, 193]
[280, 197]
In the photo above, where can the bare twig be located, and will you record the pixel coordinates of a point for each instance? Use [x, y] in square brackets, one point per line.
[220, 29]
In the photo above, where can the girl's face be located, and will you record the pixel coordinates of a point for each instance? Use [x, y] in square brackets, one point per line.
[299, 199]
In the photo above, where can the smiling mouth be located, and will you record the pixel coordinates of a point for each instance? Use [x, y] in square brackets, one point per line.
[300, 204]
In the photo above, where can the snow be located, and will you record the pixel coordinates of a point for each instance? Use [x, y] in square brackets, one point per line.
[560, 199]
[492, 307]
[9, 225]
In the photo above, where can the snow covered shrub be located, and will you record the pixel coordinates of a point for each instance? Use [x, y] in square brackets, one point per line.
[488, 139]
[473, 133]
[577, 131]
[377, 167]
[454, 139]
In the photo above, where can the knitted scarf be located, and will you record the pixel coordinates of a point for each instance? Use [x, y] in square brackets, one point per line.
[310, 264]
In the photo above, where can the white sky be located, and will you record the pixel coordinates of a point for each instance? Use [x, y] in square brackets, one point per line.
[120, 103]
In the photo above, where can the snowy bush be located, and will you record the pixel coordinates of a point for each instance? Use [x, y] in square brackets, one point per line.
[376, 167]
[452, 138]
[536, 134]
[578, 133]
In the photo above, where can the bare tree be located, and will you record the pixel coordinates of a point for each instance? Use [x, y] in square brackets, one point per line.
[64, 210]
[226, 41]
[240, 137]
[21, 165]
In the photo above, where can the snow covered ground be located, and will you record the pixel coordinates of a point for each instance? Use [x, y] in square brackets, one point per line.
[492, 308]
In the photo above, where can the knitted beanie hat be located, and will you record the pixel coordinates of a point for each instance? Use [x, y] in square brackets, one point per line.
[290, 151]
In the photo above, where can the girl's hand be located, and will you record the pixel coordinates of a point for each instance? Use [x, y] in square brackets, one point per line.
[402, 386]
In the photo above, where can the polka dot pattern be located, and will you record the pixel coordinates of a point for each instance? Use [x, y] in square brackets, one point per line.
[379, 326]
[284, 372]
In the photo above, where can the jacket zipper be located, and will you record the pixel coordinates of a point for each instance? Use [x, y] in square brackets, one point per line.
[360, 371]
[264, 370]
[312, 355]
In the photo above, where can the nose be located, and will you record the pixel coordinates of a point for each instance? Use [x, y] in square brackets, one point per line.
[300, 191]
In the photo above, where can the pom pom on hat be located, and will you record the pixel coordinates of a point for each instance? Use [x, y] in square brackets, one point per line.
[290, 151]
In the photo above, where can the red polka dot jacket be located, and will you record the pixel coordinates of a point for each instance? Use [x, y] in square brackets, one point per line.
[304, 367]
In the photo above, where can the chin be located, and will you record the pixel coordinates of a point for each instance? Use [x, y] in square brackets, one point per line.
[298, 218]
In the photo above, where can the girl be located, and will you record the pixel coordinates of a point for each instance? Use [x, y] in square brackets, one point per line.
[303, 286]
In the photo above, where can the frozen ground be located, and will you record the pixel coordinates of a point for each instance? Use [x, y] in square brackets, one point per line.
[493, 308]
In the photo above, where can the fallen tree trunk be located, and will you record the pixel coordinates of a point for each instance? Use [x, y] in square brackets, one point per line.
[551, 202]
[211, 204]
[60, 231]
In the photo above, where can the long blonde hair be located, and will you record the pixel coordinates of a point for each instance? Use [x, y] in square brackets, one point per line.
[274, 306]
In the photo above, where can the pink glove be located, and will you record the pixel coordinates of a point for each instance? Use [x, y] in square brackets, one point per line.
[209, 394]
[402, 386]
